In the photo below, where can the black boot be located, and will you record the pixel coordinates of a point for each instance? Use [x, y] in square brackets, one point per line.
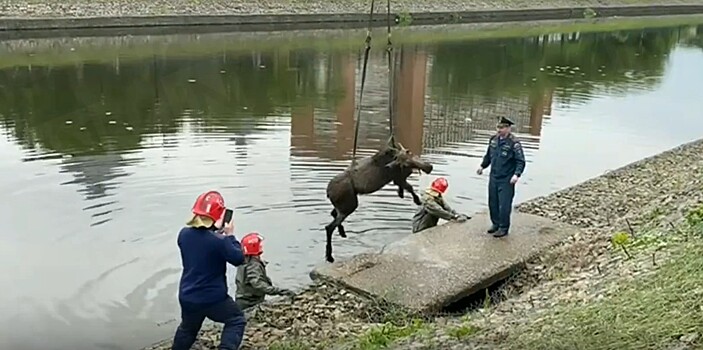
[500, 233]
[492, 229]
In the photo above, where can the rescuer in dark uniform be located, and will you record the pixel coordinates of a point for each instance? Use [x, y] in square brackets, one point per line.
[507, 161]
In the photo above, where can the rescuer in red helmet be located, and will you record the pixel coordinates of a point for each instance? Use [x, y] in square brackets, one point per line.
[206, 249]
[434, 207]
[253, 284]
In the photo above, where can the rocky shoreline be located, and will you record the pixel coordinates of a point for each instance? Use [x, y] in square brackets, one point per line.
[112, 8]
[655, 192]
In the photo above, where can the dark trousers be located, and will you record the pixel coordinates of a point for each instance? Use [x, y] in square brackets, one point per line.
[500, 202]
[193, 315]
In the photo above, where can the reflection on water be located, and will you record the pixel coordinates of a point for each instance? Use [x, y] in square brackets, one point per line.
[100, 163]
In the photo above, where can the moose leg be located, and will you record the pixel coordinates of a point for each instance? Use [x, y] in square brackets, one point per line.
[340, 228]
[401, 192]
[337, 222]
[328, 247]
[408, 187]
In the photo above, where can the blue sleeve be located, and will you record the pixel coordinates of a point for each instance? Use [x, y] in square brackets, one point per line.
[519, 158]
[487, 157]
[232, 251]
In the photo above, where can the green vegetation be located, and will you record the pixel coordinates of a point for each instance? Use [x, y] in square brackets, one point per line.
[384, 335]
[293, 345]
[651, 312]
[621, 240]
[647, 314]
[462, 331]
[695, 217]
[589, 13]
[405, 19]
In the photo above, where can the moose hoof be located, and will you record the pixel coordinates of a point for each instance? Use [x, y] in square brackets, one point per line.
[330, 259]
[417, 201]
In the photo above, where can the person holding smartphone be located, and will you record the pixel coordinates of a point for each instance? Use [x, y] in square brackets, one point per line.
[207, 245]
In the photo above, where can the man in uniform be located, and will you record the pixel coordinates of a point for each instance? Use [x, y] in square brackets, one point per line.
[435, 207]
[507, 161]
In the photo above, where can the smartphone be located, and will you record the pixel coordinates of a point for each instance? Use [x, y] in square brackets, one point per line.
[228, 216]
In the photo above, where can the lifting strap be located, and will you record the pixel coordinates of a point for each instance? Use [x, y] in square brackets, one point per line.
[389, 53]
[363, 81]
[391, 79]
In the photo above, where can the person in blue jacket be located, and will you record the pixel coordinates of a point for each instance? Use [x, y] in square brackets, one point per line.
[202, 292]
[507, 161]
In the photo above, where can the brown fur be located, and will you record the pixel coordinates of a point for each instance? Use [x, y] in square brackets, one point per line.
[369, 175]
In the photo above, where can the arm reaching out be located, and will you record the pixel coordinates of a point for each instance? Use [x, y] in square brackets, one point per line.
[255, 276]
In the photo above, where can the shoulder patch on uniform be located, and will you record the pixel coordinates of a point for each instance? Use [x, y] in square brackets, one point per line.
[517, 145]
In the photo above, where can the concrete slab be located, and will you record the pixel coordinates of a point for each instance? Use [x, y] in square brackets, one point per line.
[432, 269]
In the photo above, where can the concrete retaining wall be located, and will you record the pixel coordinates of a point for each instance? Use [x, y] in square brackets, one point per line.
[349, 20]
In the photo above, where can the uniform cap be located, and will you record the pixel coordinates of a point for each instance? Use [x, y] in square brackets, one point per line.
[505, 122]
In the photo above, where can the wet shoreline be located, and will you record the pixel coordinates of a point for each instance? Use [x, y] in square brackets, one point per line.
[613, 201]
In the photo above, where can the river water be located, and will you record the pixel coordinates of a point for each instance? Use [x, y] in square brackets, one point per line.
[101, 159]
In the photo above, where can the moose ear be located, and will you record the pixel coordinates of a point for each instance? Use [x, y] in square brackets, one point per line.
[392, 164]
[391, 142]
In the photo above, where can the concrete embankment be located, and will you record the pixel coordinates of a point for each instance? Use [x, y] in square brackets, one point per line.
[659, 190]
[429, 272]
[30, 15]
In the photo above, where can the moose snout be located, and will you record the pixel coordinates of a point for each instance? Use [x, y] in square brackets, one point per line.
[427, 168]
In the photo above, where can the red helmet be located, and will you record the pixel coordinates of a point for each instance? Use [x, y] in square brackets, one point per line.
[440, 185]
[251, 243]
[210, 204]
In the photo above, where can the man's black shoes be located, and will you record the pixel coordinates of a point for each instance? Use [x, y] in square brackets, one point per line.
[500, 233]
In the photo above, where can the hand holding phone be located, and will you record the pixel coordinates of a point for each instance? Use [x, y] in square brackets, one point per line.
[227, 225]
[227, 217]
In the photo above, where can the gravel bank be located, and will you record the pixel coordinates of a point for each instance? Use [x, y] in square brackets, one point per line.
[649, 196]
[109, 8]
[653, 193]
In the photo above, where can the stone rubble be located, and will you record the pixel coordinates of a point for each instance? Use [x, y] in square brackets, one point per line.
[653, 192]
[320, 314]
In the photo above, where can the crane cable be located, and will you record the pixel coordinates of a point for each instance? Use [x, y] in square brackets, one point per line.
[389, 52]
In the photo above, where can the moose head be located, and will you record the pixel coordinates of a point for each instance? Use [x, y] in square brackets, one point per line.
[404, 158]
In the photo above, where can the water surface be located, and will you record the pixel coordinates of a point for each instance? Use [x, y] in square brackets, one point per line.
[100, 163]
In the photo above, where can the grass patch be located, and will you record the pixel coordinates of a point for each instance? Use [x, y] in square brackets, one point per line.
[649, 313]
[382, 336]
[462, 332]
[289, 345]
